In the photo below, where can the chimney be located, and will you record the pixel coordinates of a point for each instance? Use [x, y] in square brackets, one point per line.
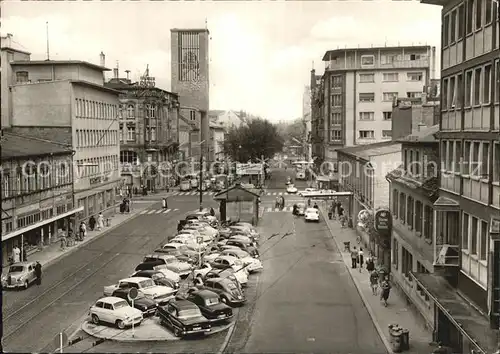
[433, 63]
[102, 58]
[128, 74]
[115, 73]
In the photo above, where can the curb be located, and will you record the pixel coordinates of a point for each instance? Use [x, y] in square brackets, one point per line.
[73, 249]
[379, 329]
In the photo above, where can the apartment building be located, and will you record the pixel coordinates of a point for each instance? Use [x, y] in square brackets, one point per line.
[465, 286]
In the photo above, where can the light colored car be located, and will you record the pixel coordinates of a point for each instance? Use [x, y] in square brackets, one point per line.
[246, 229]
[291, 189]
[194, 182]
[20, 275]
[195, 233]
[311, 214]
[301, 207]
[240, 272]
[185, 186]
[307, 191]
[168, 273]
[147, 286]
[171, 262]
[115, 311]
[202, 271]
[174, 246]
[210, 257]
[203, 228]
[251, 263]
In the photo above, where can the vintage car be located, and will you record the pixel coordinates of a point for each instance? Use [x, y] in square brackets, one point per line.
[311, 214]
[210, 305]
[240, 271]
[158, 293]
[291, 189]
[146, 305]
[114, 310]
[251, 263]
[211, 256]
[301, 209]
[227, 273]
[185, 185]
[158, 277]
[160, 266]
[20, 275]
[245, 229]
[184, 318]
[247, 239]
[245, 246]
[202, 271]
[229, 293]
[171, 262]
[173, 247]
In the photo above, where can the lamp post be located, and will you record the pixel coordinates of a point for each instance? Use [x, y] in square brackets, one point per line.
[200, 183]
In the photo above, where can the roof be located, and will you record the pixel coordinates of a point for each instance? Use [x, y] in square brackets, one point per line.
[60, 62]
[135, 279]
[111, 299]
[189, 30]
[216, 126]
[9, 48]
[342, 51]
[17, 146]
[369, 150]
[124, 85]
[216, 112]
[426, 135]
[245, 195]
[183, 304]
[206, 293]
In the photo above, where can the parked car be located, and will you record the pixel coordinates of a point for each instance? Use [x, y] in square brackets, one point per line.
[172, 263]
[291, 189]
[202, 271]
[158, 293]
[158, 277]
[311, 214]
[251, 263]
[185, 185]
[245, 246]
[159, 266]
[20, 275]
[227, 273]
[240, 272]
[229, 293]
[184, 318]
[210, 305]
[301, 209]
[114, 310]
[146, 305]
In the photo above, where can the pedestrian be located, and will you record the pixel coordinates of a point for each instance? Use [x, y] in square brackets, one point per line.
[370, 264]
[92, 223]
[83, 229]
[164, 203]
[100, 222]
[38, 273]
[374, 282]
[16, 254]
[386, 289]
[354, 257]
[360, 259]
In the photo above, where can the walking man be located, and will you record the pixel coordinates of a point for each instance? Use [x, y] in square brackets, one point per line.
[374, 281]
[354, 257]
[360, 259]
[38, 273]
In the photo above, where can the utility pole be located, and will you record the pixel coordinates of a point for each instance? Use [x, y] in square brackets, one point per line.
[201, 177]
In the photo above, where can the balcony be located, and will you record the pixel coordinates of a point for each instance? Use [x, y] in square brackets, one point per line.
[128, 168]
[351, 64]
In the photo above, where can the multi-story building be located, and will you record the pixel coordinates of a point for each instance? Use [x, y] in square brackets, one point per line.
[190, 80]
[148, 126]
[465, 287]
[359, 87]
[65, 101]
[306, 118]
[216, 152]
[36, 192]
[413, 190]
[317, 118]
[409, 114]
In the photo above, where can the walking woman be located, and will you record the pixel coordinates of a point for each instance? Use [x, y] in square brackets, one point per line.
[386, 289]
[360, 259]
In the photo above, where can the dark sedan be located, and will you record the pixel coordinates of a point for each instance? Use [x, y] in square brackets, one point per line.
[184, 318]
[210, 305]
[229, 293]
[158, 277]
[146, 305]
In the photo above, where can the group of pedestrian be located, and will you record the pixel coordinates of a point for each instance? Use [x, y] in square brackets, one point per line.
[280, 203]
[357, 258]
[18, 254]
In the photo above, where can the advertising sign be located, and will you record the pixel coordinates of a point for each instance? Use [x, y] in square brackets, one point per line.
[383, 222]
[249, 169]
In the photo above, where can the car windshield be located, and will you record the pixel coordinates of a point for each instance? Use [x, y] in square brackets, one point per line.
[169, 248]
[120, 304]
[212, 301]
[189, 313]
[16, 269]
[146, 283]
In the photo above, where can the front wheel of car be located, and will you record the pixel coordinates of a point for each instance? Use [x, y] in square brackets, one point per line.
[120, 324]
[95, 319]
[26, 284]
[177, 332]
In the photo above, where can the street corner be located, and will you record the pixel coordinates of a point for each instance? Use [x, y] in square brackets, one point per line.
[150, 330]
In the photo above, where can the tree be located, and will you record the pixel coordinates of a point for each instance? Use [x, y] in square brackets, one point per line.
[253, 140]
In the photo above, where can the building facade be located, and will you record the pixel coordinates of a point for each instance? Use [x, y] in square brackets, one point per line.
[466, 213]
[413, 190]
[306, 118]
[66, 102]
[217, 133]
[148, 133]
[36, 192]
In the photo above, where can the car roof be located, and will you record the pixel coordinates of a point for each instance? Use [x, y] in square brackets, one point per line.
[147, 271]
[184, 304]
[22, 263]
[235, 250]
[205, 293]
[111, 299]
[312, 209]
[135, 279]
[229, 258]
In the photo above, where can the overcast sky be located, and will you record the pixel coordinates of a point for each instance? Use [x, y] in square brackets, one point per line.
[261, 52]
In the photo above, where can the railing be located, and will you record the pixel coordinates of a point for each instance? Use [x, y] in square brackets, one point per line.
[447, 255]
[396, 64]
[129, 168]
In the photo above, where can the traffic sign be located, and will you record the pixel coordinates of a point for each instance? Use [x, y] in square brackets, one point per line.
[199, 239]
[132, 294]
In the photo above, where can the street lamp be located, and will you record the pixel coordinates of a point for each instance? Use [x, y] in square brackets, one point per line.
[200, 183]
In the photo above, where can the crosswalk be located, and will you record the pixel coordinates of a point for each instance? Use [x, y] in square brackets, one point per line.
[156, 211]
[212, 193]
[277, 210]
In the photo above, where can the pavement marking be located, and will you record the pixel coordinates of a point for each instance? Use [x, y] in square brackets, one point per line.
[167, 211]
[143, 212]
[151, 211]
[159, 211]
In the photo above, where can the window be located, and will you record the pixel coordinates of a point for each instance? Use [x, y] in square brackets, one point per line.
[336, 100]
[409, 211]
[473, 236]
[367, 97]
[336, 135]
[414, 94]
[153, 134]
[366, 134]
[458, 154]
[428, 222]
[122, 136]
[477, 86]
[466, 158]
[366, 77]
[452, 92]
[337, 81]
[387, 115]
[461, 22]
[488, 15]
[22, 77]
[402, 207]
[487, 84]
[395, 253]
[130, 111]
[468, 88]
[496, 162]
[474, 161]
[395, 201]
[390, 96]
[336, 118]
[366, 115]
[192, 115]
[465, 231]
[444, 95]
[406, 262]
[390, 77]
[150, 111]
[453, 25]
[479, 13]
[386, 134]
[416, 76]
[483, 241]
[470, 15]
[418, 216]
[446, 31]
[497, 81]
[367, 60]
[458, 92]
[5, 185]
[131, 133]
[485, 161]
[415, 57]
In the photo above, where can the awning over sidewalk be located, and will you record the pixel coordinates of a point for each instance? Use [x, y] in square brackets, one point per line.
[41, 223]
[473, 325]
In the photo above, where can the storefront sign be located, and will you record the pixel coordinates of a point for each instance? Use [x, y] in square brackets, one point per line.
[383, 222]
[28, 208]
[249, 168]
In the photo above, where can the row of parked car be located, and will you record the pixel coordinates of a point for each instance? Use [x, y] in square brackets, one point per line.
[214, 260]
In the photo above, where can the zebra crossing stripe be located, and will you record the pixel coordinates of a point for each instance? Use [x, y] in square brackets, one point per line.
[143, 212]
[166, 211]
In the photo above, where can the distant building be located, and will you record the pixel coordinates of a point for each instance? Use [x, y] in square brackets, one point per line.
[227, 119]
[148, 119]
[216, 152]
[409, 115]
[307, 120]
[37, 193]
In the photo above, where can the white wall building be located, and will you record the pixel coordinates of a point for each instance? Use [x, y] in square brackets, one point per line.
[306, 117]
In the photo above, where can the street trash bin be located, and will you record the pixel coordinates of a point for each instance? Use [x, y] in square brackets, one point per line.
[396, 335]
[405, 339]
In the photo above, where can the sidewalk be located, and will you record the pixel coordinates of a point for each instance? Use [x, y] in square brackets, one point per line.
[53, 252]
[397, 310]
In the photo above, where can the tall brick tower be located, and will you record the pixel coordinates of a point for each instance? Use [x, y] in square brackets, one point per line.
[190, 79]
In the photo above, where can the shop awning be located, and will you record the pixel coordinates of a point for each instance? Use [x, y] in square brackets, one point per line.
[472, 324]
[41, 223]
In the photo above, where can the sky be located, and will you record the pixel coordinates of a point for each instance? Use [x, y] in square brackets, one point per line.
[261, 53]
